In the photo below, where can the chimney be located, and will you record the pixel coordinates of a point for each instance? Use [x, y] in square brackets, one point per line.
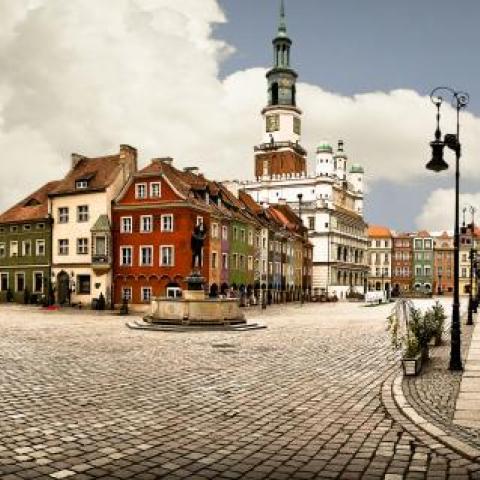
[282, 201]
[194, 170]
[128, 158]
[163, 160]
[76, 159]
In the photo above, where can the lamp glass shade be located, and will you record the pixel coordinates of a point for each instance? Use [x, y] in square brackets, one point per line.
[437, 163]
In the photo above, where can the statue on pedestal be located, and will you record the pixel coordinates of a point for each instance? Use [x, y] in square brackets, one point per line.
[199, 235]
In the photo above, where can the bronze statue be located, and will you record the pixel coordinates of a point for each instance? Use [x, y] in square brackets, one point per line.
[198, 239]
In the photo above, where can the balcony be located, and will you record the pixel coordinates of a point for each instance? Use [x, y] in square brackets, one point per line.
[101, 262]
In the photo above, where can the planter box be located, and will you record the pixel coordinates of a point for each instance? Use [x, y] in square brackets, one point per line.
[412, 366]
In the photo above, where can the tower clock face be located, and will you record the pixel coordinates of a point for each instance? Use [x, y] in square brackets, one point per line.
[285, 82]
[273, 123]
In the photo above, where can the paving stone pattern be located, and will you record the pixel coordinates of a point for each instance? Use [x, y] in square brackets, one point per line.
[434, 393]
[83, 397]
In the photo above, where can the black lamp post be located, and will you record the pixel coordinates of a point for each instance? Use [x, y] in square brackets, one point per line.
[472, 258]
[300, 196]
[437, 164]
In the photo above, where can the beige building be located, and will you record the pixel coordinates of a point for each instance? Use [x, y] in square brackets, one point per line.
[80, 207]
[380, 259]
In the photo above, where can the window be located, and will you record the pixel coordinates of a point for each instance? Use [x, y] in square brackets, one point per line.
[464, 272]
[155, 190]
[3, 282]
[166, 256]
[146, 256]
[242, 262]
[40, 226]
[297, 125]
[26, 248]
[40, 248]
[214, 230]
[83, 284]
[234, 261]
[13, 248]
[166, 224]
[63, 246]
[82, 213]
[146, 294]
[272, 122]
[100, 245]
[38, 282]
[199, 220]
[250, 237]
[63, 215]
[146, 223]
[224, 261]
[214, 260]
[311, 223]
[141, 190]
[126, 256]
[82, 246]
[27, 227]
[428, 244]
[418, 244]
[242, 235]
[81, 184]
[126, 225]
[224, 232]
[19, 282]
[127, 293]
[3, 250]
[418, 271]
[250, 263]
[14, 229]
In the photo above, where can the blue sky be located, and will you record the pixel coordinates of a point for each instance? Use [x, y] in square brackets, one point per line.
[357, 46]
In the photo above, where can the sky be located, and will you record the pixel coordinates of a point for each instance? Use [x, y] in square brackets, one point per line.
[187, 79]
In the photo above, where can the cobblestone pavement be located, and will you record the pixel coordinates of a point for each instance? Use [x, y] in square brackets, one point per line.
[434, 393]
[83, 397]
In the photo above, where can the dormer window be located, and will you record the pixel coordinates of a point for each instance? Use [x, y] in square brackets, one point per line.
[81, 184]
[155, 190]
[141, 190]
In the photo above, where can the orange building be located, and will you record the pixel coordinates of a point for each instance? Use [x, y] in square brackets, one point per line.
[443, 264]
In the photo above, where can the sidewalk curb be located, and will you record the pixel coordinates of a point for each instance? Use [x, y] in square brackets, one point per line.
[442, 436]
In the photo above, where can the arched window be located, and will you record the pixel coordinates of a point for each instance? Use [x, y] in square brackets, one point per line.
[275, 93]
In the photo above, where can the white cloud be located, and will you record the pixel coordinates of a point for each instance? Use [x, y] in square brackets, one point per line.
[86, 76]
[438, 212]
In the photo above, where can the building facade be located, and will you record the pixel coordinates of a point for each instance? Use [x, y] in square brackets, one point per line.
[330, 198]
[26, 249]
[380, 259]
[402, 262]
[423, 262]
[443, 264]
[80, 207]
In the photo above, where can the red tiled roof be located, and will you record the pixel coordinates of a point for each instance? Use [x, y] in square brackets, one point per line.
[423, 234]
[100, 172]
[379, 231]
[33, 207]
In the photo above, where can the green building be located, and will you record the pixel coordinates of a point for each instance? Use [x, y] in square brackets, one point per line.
[26, 249]
[423, 262]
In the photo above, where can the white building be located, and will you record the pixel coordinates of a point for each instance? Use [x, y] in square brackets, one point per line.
[330, 198]
[80, 207]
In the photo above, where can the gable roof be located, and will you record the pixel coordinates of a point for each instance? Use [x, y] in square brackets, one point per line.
[100, 173]
[33, 207]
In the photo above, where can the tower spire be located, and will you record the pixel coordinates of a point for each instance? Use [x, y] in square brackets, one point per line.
[282, 26]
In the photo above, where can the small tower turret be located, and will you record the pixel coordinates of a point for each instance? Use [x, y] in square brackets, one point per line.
[324, 160]
[340, 159]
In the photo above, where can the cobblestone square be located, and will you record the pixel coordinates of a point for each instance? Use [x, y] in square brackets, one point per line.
[84, 397]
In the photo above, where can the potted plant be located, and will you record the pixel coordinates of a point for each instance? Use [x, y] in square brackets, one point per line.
[412, 356]
[410, 332]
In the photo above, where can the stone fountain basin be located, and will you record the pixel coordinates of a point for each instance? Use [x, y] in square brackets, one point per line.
[195, 309]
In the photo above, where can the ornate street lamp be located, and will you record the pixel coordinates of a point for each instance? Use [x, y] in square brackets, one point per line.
[300, 196]
[437, 164]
